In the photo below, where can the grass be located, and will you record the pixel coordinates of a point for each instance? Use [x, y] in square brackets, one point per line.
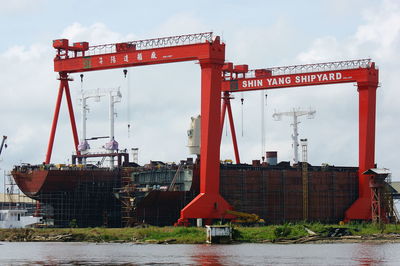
[149, 234]
[191, 235]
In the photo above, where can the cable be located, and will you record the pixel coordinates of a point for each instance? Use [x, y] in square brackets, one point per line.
[226, 127]
[263, 131]
[242, 100]
[128, 115]
[81, 75]
[262, 124]
[77, 99]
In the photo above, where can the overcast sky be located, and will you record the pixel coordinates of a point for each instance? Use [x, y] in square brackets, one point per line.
[162, 98]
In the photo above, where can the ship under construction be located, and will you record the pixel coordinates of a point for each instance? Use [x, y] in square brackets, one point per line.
[205, 188]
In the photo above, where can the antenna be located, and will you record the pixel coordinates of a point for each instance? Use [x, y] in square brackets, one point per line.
[295, 113]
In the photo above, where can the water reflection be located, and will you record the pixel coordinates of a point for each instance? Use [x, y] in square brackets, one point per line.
[366, 254]
[207, 255]
[241, 254]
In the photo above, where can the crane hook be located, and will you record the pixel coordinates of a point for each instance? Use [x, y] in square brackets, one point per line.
[125, 72]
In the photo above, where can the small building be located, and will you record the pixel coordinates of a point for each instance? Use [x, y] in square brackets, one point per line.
[16, 211]
[17, 219]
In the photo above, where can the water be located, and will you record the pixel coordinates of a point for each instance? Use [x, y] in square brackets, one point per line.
[241, 254]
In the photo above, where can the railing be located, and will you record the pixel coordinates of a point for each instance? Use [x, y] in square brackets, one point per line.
[319, 67]
[155, 43]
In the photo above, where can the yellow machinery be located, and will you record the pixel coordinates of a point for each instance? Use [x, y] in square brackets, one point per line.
[246, 218]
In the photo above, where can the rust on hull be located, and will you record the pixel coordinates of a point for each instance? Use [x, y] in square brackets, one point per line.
[275, 193]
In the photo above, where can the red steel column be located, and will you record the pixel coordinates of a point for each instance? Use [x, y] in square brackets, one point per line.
[226, 104]
[55, 120]
[361, 208]
[209, 204]
[232, 125]
[367, 107]
[223, 111]
[71, 116]
[210, 127]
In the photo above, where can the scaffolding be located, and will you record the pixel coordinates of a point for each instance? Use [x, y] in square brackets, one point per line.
[13, 198]
[156, 192]
[126, 194]
[304, 166]
[89, 202]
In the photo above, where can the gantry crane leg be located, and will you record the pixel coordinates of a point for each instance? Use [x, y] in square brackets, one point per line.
[361, 208]
[63, 86]
[226, 105]
[209, 203]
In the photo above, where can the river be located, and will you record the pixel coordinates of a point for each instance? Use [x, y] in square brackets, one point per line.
[46, 253]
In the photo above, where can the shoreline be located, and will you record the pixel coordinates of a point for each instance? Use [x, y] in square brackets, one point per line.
[273, 234]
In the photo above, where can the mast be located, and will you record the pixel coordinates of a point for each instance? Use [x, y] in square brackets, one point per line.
[295, 136]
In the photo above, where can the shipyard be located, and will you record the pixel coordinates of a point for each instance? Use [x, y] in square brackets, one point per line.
[198, 124]
[125, 193]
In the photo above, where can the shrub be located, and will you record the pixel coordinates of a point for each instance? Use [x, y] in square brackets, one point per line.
[282, 231]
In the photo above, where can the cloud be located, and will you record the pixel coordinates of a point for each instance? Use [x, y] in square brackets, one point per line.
[180, 24]
[381, 32]
[262, 46]
[379, 38]
[324, 49]
[97, 33]
[163, 97]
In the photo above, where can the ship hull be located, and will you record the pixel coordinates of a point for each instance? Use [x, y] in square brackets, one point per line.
[34, 182]
[73, 197]
[275, 193]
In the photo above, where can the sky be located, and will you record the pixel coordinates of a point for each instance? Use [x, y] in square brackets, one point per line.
[159, 100]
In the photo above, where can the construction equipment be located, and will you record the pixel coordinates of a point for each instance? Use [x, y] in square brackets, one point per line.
[3, 144]
[246, 218]
[237, 78]
[209, 51]
[381, 204]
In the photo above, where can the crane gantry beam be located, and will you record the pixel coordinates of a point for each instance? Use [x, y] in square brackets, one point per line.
[238, 78]
[303, 75]
[137, 53]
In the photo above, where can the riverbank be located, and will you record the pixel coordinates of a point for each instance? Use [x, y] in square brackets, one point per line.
[281, 234]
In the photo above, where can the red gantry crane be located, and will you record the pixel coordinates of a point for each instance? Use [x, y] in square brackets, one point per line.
[363, 72]
[202, 47]
[210, 52]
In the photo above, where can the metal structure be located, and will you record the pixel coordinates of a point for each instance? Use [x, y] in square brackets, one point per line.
[114, 96]
[13, 198]
[295, 137]
[237, 78]
[304, 174]
[210, 52]
[135, 155]
[380, 209]
[226, 105]
[112, 145]
[202, 47]
[3, 144]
